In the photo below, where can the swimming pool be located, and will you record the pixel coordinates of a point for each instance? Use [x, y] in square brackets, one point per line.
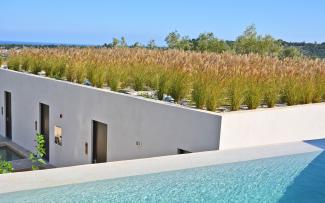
[294, 178]
[8, 155]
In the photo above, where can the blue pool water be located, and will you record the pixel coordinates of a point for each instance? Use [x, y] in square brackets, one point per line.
[8, 155]
[295, 178]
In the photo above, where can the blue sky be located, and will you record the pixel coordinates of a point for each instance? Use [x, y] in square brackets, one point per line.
[98, 21]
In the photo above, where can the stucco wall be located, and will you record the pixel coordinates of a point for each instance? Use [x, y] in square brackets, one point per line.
[270, 126]
[161, 127]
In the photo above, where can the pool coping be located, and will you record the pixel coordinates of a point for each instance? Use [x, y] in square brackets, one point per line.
[30, 180]
[23, 164]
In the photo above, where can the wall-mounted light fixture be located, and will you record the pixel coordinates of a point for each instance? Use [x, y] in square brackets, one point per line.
[58, 135]
[61, 115]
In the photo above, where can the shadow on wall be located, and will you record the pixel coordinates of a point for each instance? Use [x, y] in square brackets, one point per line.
[309, 185]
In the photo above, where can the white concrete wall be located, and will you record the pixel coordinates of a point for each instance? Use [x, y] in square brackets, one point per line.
[270, 126]
[161, 127]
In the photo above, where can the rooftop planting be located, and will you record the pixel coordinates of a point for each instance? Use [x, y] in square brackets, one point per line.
[204, 80]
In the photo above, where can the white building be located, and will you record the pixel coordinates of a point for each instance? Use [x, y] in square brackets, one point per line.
[84, 124]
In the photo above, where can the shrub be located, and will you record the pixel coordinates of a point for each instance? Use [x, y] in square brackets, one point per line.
[162, 88]
[113, 78]
[24, 61]
[271, 92]
[80, 72]
[199, 92]
[319, 88]
[58, 68]
[291, 93]
[70, 72]
[306, 91]
[99, 77]
[40, 153]
[214, 95]
[5, 167]
[14, 63]
[236, 93]
[35, 65]
[138, 77]
[90, 72]
[253, 94]
[179, 86]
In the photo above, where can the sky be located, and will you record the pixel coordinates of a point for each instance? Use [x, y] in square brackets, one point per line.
[98, 21]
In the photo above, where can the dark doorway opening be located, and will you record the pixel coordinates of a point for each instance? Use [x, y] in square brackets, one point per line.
[99, 142]
[8, 115]
[45, 127]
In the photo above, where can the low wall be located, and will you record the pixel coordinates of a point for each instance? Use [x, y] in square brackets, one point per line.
[162, 128]
[270, 126]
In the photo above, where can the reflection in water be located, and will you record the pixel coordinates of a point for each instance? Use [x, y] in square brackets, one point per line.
[8, 155]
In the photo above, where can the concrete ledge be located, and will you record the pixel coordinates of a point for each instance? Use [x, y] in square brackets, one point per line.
[86, 173]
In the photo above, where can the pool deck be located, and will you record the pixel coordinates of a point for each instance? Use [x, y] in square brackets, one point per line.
[85, 173]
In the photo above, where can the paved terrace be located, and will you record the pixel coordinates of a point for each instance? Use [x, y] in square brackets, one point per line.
[85, 173]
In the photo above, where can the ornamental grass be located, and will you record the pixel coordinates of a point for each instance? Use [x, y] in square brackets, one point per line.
[207, 80]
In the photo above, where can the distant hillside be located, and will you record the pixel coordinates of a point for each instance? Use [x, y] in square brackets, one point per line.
[14, 44]
[314, 50]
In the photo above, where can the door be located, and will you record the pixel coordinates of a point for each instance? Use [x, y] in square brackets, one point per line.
[44, 127]
[99, 142]
[8, 115]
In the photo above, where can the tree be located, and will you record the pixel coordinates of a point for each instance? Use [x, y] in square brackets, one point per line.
[151, 44]
[207, 42]
[115, 42]
[123, 42]
[136, 45]
[250, 42]
[173, 40]
[290, 52]
[185, 43]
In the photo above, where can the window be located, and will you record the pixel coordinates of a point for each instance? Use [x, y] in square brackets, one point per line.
[58, 135]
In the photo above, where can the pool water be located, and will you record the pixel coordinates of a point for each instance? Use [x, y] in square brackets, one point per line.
[294, 178]
[8, 155]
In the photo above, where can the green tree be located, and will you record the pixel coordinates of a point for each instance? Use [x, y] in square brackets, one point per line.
[115, 42]
[250, 42]
[207, 42]
[173, 40]
[185, 43]
[136, 45]
[291, 52]
[151, 44]
[123, 42]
